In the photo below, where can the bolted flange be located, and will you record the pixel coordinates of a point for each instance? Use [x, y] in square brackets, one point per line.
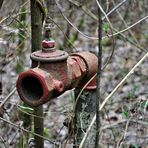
[49, 53]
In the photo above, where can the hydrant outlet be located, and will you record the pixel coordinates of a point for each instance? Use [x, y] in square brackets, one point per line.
[32, 88]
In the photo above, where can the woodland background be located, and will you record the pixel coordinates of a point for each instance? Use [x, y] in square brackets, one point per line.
[124, 119]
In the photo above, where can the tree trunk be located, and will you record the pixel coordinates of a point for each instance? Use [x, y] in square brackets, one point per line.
[36, 25]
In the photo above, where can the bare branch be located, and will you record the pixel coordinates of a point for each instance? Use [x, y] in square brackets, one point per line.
[6, 99]
[115, 8]
[25, 130]
[95, 38]
[131, 26]
[125, 24]
[99, 72]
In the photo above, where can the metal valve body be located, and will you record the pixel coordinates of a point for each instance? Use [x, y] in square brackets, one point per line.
[55, 72]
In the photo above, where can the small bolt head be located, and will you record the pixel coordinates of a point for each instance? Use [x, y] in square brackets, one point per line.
[48, 44]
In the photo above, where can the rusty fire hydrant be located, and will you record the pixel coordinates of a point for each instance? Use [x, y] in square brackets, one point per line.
[55, 72]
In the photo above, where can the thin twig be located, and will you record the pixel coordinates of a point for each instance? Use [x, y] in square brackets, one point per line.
[111, 28]
[131, 26]
[132, 42]
[105, 15]
[111, 128]
[86, 10]
[107, 6]
[95, 18]
[63, 33]
[110, 95]
[125, 23]
[86, 36]
[7, 98]
[99, 71]
[123, 80]
[95, 38]
[124, 134]
[114, 9]
[25, 130]
[3, 141]
[13, 16]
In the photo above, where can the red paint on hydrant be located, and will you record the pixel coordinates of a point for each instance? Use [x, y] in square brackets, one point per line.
[54, 73]
[48, 44]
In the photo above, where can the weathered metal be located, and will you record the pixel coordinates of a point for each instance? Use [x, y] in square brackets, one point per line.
[48, 44]
[54, 73]
[91, 64]
[52, 55]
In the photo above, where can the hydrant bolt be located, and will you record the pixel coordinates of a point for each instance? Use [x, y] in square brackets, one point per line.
[48, 44]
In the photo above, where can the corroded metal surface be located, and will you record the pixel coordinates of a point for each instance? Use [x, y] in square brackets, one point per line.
[53, 55]
[52, 77]
[91, 62]
[48, 44]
